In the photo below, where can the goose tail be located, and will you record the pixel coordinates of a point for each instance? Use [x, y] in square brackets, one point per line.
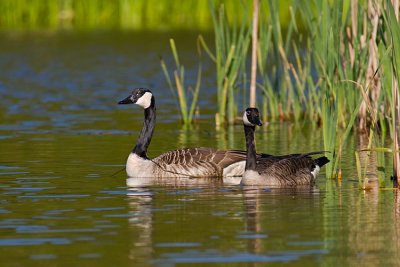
[321, 161]
[318, 163]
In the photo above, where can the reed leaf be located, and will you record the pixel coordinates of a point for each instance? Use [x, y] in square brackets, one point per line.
[359, 172]
[186, 111]
[231, 45]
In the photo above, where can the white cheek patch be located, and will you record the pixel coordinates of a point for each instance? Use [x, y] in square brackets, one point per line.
[246, 121]
[145, 100]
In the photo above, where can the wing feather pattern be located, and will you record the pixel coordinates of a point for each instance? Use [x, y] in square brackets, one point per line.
[196, 162]
[294, 169]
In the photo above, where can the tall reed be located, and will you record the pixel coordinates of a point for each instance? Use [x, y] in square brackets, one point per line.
[284, 83]
[323, 23]
[254, 45]
[346, 56]
[186, 111]
[392, 20]
[231, 46]
[340, 80]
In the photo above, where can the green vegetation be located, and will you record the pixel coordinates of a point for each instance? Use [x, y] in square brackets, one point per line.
[231, 46]
[345, 80]
[113, 14]
[179, 77]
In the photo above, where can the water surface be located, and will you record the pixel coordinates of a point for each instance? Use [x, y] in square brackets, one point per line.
[66, 202]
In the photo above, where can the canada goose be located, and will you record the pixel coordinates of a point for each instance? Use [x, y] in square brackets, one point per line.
[287, 170]
[185, 162]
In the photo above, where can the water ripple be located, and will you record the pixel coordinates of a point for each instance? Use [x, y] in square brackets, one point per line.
[178, 245]
[206, 257]
[56, 196]
[33, 241]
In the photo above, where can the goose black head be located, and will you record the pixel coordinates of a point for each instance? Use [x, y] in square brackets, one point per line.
[139, 96]
[251, 117]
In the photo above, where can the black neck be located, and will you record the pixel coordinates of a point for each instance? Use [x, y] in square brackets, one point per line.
[147, 130]
[251, 148]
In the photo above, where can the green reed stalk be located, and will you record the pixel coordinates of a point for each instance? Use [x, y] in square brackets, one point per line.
[283, 83]
[359, 170]
[252, 102]
[182, 93]
[380, 155]
[362, 176]
[340, 54]
[323, 25]
[270, 99]
[231, 45]
[394, 27]
[277, 44]
[389, 48]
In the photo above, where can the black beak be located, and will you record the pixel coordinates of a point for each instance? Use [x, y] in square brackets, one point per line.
[258, 121]
[127, 100]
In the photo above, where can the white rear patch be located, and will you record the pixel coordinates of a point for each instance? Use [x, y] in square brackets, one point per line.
[246, 121]
[315, 171]
[145, 100]
[235, 169]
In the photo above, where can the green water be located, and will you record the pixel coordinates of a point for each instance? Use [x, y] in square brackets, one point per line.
[63, 202]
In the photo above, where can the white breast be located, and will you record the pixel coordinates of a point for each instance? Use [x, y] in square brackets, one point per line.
[139, 167]
[251, 177]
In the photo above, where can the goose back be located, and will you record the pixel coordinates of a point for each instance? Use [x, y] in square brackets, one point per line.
[221, 158]
[287, 170]
[200, 162]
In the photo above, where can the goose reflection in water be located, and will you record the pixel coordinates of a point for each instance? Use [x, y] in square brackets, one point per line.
[219, 212]
[149, 199]
[268, 212]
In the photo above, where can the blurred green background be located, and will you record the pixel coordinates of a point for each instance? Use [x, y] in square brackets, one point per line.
[120, 14]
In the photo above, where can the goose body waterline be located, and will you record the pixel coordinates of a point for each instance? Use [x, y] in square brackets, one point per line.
[286, 170]
[185, 162]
